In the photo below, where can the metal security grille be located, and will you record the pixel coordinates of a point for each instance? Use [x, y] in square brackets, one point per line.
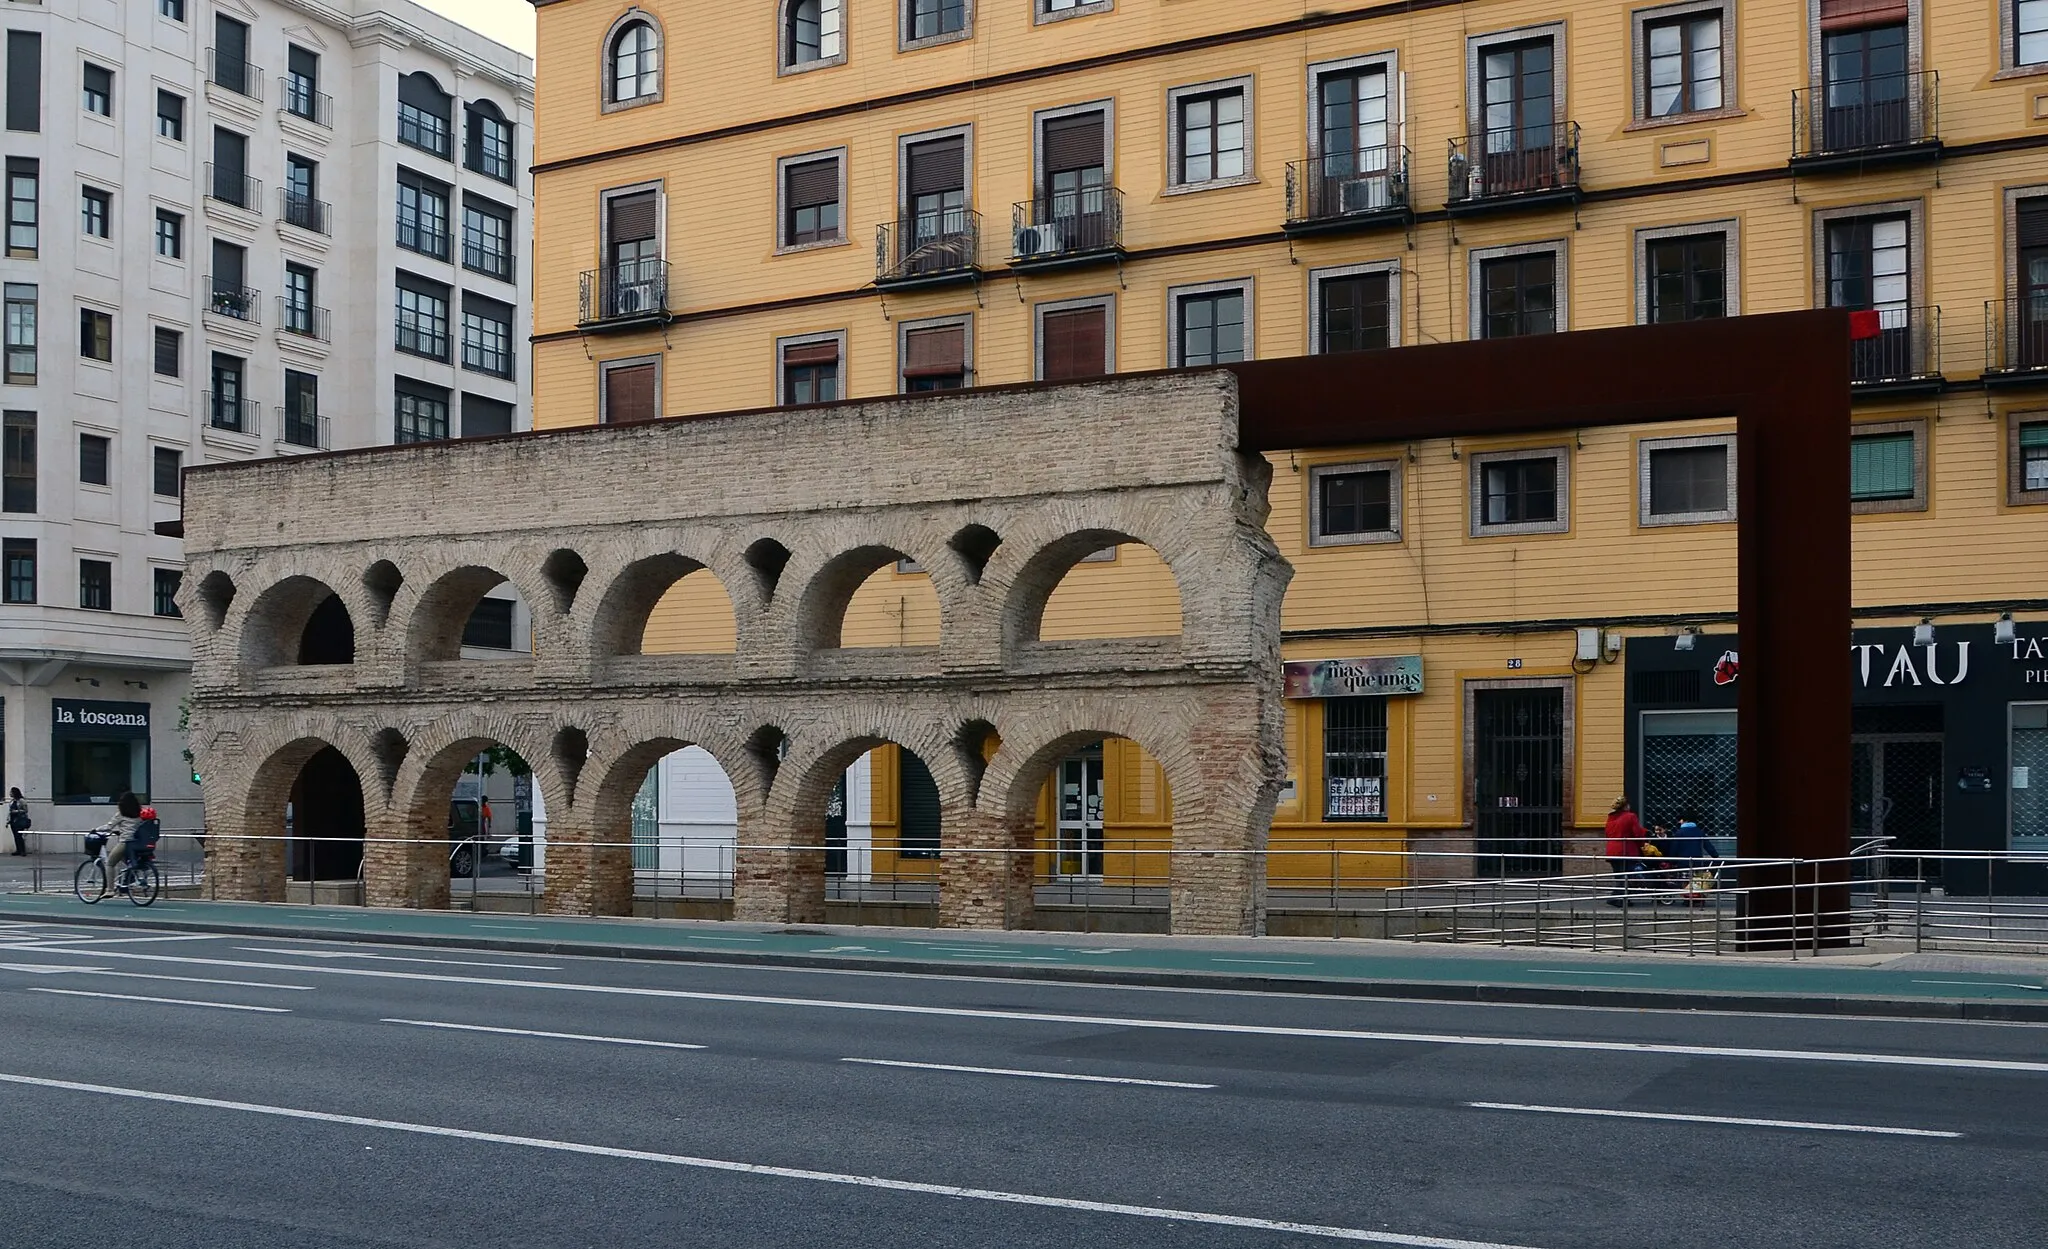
[1518, 780]
[1355, 759]
[647, 824]
[1691, 776]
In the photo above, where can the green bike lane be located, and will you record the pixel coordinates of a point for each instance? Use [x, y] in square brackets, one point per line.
[1860, 982]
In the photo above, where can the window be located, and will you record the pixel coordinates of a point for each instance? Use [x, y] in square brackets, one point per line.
[88, 769]
[21, 334]
[635, 64]
[1870, 269]
[810, 197]
[1354, 758]
[230, 57]
[422, 215]
[1519, 492]
[1209, 327]
[170, 116]
[1682, 64]
[226, 407]
[1352, 138]
[1049, 10]
[1686, 481]
[96, 209]
[170, 234]
[94, 450]
[96, 335]
[231, 296]
[228, 177]
[298, 313]
[2028, 454]
[1074, 178]
[98, 84]
[634, 279]
[935, 357]
[486, 335]
[482, 418]
[302, 84]
[1352, 311]
[424, 114]
[96, 584]
[1516, 294]
[422, 317]
[167, 467]
[935, 194]
[168, 351]
[1074, 342]
[2030, 32]
[165, 597]
[24, 81]
[1210, 136]
[810, 370]
[18, 462]
[22, 183]
[173, 9]
[302, 205]
[488, 146]
[933, 21]
[1686, 278]
[302, 409]
[814, 35]
[1351, 504]
[486, 238]
[19, 554]
[1887, 471]
[490, 625]
[422, 412]
[631, 390]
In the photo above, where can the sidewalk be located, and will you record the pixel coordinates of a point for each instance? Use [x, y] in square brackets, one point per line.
[1856, 982]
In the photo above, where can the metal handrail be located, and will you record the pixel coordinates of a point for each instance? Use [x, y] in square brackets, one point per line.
[1052, 225]
[1866, 115]
[922, 245]
[241, 77]
[1334, 185]
[1513, 161]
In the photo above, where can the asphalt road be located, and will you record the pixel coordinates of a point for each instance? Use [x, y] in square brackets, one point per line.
[165, 1089]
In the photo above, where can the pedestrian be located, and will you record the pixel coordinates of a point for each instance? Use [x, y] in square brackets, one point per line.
[17, 819]
[1625, 838]
[484, 820]
[1691, 851]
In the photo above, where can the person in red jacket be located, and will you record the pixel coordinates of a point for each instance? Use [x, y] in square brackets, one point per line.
[1625, 837]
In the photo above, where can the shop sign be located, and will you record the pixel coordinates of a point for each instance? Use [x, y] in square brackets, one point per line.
[1943, 663]
[1356, 797]
[81, 717]
[1346, 678]
[2034, 653]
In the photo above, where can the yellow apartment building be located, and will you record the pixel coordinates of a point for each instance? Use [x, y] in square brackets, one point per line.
[797, 201]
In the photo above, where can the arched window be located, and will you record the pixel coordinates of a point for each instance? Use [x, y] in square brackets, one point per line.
[636, 63]
[814, 33]
[425, 114]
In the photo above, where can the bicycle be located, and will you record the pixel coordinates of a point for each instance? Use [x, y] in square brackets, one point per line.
[140, 879]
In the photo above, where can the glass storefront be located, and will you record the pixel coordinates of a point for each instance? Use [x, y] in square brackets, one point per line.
[1688, 772]
[2029, 755]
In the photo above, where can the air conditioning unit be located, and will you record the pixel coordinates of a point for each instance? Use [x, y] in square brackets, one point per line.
[1039, 240]
[628, 297]
[1360, 195]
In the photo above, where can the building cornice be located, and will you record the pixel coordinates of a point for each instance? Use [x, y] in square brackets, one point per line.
[387, 29]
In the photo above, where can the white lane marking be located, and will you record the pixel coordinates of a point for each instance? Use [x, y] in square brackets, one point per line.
[705, 936]
[1013, 958]
[163, 1001]
[1112, 1021]
[1101, 950]
[398, 958]
[966, 949]
[552, 1036]
[1034, 1075]
[239, 984]
[59, 941]
[1566, 971]
[1271, 962]
[46, 969]
[1979, 984]
[1722, 1120]
[509, 927]
[1203, 1217]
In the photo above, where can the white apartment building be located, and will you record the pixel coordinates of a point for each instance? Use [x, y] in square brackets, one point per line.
[233, 230]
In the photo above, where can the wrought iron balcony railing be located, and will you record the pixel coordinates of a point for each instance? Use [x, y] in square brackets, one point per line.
[2016, 337]
[1058, 228]
[1520, 164]
[231, 186]
[232, 413]
[1858, 120]
[628, 291]
[227, 299]
[919, 249]
[235, 74]
[303, 429]
[1350, 188]
[298, 98]
[1897, 348]
[296, 316]
[302, 211]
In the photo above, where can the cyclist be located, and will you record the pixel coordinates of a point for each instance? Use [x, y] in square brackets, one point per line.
[120, 831]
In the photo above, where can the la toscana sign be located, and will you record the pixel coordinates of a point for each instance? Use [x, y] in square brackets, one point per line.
[1348, 678]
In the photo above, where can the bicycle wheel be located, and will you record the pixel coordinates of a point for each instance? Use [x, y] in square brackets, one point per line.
[145, 884]
[89, 882]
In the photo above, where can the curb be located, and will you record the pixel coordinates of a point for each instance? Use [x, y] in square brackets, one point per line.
[1405, 990]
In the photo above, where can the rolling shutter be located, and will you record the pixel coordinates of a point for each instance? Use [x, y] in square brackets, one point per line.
[2033, 222]
[629, 394]
[811, 353]
[937, 352]
[24, 80]
[1851, 14]
[1075, 344]
[1073, 142]
[814, 184]
[938, 166]
[918, 808]
[631, 218]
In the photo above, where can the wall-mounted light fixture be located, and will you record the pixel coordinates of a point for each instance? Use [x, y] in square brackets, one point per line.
[140, 685]
[1683, 642]
[1923, 633]
[92, 681]
[2005, 632]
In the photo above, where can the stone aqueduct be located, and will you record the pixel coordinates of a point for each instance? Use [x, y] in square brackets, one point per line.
[792, 510]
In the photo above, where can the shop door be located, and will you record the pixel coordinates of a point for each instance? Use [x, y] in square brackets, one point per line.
[1079, 832]
[1895, 783]
[835, 830]
[1518, 780]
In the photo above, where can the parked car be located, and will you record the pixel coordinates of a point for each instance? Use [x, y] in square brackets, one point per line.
[465, 837]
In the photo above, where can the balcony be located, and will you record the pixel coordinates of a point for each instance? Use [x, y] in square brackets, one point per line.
[302, 211]
[630, 293]
[2016, 340]
[1860, 122]
[230, 299]
[1902, 357]
[1342, 191]
[928, 249]
[234, 74]
[230, 185]
[303, 429]
[1531, 166]
[489, 261]
[298, 99]
[296, 316]
[1059, 231]
[229, 412]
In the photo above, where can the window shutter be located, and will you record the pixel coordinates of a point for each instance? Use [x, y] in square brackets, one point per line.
[917, 806]
[2034, 435]
[1074, 344]
[629, 394]
[1073, 142]
[1850, 14]
[482, 418]
[938, 166]
[1881, 466]
[633, 217]
[166, 352]
[24, 80]
[2033, 223]
[813, 184]
[302, 62]
[937, 352]
[419, 91]
[811, 353]
[230, 41]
